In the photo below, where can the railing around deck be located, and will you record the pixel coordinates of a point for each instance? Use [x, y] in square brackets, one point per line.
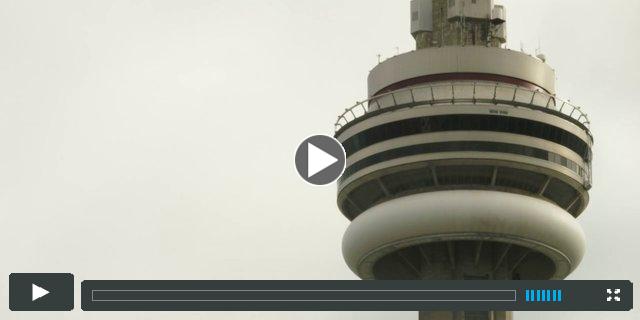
[463, 92]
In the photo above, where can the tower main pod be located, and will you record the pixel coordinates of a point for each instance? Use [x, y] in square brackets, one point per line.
[463, 163]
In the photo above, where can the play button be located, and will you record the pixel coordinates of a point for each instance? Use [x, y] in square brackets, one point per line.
[37, 292]
[41, 292]
[320, 160]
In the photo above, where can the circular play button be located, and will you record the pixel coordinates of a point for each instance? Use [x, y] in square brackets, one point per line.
[320, 160]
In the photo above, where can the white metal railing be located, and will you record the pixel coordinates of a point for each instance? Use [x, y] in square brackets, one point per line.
[462, 92]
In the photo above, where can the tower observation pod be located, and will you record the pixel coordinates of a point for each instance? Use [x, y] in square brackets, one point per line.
[463, 164]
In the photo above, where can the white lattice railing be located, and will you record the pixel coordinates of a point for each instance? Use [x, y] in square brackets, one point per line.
[463, 92]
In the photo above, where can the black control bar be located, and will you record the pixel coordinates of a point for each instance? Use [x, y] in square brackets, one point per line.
[356, 295]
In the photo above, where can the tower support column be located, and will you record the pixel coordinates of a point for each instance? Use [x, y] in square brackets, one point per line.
[465, 315]
[463, 261]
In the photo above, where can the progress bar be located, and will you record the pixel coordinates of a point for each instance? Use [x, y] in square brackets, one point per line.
[302, 295]
[355, 295]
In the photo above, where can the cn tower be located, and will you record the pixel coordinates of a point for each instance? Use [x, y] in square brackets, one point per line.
[463, 163]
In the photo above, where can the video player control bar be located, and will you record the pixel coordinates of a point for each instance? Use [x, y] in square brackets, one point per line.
[356, 295]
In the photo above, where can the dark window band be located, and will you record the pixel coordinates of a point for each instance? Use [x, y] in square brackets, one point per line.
[453, 146]
[467, 122]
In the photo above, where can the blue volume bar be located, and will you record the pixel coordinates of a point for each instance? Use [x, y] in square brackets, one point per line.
[544, 295]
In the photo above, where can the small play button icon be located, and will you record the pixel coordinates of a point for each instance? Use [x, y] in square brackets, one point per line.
[41, 292]
[37, 292]
[320, 160]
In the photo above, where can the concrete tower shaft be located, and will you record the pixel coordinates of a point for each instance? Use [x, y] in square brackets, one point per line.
[463, 163]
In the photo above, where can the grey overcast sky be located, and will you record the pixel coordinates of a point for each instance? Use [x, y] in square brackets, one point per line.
[154, 139]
